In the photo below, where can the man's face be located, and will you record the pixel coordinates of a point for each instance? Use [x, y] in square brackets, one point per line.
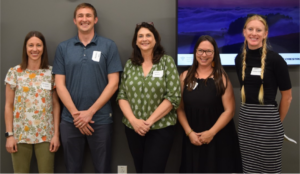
[85, 20]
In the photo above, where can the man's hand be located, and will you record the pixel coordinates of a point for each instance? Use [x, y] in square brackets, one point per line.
[87, 130]
[82, 118]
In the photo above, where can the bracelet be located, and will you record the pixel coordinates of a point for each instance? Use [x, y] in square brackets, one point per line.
[189, 133]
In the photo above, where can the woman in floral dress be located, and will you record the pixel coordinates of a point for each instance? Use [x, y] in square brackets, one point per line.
[32, 110]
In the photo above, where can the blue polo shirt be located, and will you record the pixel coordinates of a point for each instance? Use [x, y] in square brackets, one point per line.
[86, 69]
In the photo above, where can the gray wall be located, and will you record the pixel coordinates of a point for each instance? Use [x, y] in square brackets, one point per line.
[117, 20]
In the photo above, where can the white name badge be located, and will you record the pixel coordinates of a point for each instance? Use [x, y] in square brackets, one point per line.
[96, 56]
[46, 85]
[158, 73]
[256, 71]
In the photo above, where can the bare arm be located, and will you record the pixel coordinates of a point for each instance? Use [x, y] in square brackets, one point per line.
[63, 93]
[54, 144]
[286, 99]
[163, 109]
[11, 143]
[182, 117]
[172, 96]
[140, 126]
[86, 116]
[229, 107]
[65, 97]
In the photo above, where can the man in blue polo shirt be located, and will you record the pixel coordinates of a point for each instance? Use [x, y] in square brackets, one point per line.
[86, 70]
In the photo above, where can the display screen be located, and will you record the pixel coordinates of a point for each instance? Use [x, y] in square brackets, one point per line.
[224, 21]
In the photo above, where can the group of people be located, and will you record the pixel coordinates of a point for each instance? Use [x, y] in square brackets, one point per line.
[85, 75]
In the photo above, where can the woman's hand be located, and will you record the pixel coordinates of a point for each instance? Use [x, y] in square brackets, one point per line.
[194, 138]
[205, 137]
[11, 145]
[54, 144]
[140, 126]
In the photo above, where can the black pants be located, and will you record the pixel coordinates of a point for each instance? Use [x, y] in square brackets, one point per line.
[150, 152]
[74, 142]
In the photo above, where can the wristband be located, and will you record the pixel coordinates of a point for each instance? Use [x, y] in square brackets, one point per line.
[189, 133]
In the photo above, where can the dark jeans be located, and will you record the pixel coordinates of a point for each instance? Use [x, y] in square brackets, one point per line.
[74, 142]
[150, 153]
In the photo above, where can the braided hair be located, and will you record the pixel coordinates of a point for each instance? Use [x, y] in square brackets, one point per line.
[263, 60]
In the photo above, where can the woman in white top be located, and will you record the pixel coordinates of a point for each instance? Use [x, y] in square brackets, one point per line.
[32, 110]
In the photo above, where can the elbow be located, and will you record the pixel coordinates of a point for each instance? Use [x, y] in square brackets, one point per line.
[56, 105]
[114, 87]
[9, 108]
[289, 99]
[232, 114]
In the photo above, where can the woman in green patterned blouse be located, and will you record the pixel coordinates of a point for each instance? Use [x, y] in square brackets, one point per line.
[149, 95]
[32, 110]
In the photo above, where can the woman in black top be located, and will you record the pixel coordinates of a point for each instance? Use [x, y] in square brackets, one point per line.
[261, 72]
[210, 143]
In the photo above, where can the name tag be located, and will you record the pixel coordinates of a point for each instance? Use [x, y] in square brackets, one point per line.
[46, 85]
[158, 73]
[256, 71]
[96, 56]
[195, 86]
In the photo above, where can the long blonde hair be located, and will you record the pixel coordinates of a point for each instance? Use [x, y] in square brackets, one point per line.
[263, 59]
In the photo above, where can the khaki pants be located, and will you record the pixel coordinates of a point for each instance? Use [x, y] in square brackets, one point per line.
[45, 159]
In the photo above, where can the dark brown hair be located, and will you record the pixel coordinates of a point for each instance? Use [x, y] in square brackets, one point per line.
[158, 50]
[85, 5]
[218, 70]
[44, 57]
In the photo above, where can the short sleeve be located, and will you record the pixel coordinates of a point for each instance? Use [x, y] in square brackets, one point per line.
[122, 87]
[59, 63]
[114, 62]
[282, 74]
[11, 77]
[173, 93]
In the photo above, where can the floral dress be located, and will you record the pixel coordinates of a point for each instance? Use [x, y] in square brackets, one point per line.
[32, 112]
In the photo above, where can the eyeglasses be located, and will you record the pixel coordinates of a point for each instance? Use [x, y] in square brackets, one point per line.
[207, 52]
[150, 23]
[252, 14]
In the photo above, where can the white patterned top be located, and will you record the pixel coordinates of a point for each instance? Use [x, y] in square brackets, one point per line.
[33, 116]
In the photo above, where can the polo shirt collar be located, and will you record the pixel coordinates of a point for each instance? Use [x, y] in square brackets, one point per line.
[94, 40]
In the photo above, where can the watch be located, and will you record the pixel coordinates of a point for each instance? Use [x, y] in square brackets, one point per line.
[8, 134]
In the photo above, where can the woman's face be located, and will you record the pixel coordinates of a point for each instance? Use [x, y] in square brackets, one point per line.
[34, 47]
[145, 40]
[254, 34]
[205, 53]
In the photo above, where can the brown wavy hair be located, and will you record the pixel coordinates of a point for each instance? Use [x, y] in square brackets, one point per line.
[158, 50]
[44, 57]
[217, 72]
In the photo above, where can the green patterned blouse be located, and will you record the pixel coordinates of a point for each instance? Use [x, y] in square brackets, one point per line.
[145, 94]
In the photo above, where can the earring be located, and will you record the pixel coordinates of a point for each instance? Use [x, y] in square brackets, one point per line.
[213, 64]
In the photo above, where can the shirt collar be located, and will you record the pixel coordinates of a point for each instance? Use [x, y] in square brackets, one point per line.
[94, 40]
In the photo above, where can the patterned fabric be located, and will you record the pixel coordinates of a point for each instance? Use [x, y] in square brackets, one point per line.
[32, 112]
[145, 94]
[261, 137]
